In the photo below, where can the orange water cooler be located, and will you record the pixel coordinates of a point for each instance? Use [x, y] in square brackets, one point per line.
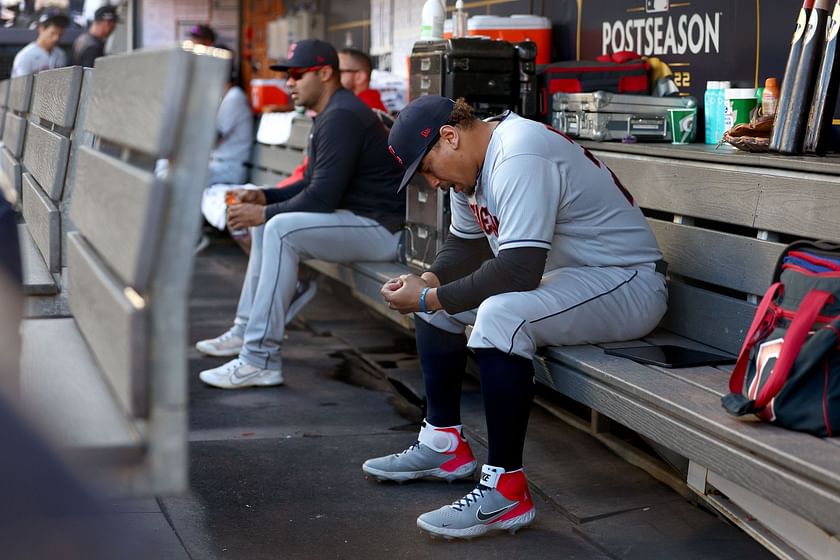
[514, 29]
[267, 92]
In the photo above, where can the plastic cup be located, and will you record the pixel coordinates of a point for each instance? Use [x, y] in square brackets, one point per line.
[682, 123]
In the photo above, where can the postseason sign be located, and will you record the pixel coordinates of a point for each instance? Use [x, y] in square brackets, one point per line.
[700, 41]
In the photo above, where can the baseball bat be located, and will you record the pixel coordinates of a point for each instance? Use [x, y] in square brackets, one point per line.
[825, 90]
[796, 119]
[787, 77]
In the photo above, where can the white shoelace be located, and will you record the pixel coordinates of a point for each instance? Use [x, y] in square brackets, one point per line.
[234, 364]
[411, 447]
[226, 336]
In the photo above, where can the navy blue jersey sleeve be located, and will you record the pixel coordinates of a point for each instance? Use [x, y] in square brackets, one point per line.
[513, 270]
[333, 157]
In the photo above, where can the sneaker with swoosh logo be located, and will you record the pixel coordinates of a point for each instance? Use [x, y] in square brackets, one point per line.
[237, 374]
[500, 502]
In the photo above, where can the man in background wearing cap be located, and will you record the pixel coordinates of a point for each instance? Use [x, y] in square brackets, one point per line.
[574, 262]
[203, 34]
[91, 45]
[43, 53]
[345, 209]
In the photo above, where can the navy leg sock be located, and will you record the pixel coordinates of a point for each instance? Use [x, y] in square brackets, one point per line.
[507, 386]
[443, 356]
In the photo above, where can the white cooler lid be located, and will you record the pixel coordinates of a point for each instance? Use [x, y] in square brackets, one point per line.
[518, 21]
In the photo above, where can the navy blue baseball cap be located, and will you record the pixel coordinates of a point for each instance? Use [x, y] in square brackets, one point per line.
[416, 129]
[106, 13]
[307, 53]
[53, 16]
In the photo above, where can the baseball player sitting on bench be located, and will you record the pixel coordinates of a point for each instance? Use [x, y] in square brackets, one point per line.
[575, 262]
[345, 209]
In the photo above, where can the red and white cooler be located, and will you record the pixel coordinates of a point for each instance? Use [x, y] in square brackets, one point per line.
[514, 29]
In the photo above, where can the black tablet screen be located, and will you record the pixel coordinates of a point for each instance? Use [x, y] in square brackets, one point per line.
[671, 356]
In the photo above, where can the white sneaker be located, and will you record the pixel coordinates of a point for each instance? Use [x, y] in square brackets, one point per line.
[304, 292]
[236, 374]
[227, 344]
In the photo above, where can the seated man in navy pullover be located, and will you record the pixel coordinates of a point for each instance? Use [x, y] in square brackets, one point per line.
[345, 209]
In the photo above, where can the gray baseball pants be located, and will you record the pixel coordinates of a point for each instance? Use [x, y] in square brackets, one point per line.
[277, 248]
[585, 305]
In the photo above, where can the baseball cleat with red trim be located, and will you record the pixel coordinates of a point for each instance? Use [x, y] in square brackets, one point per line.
[500, 502]
[438, 453]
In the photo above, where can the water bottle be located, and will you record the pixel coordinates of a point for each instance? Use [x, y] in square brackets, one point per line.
[709, 107]
[431, 25]
[459, 28]
[720, 105]
[230, 199]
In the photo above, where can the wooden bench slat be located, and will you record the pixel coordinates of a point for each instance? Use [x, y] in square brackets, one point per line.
[20, 93]
[301, 128]
[63, 387]
[9, 173]
[37, 280]
[724, 259]
[799, 473]
[130, 103]
[277, 158]
[266, 178]
[715, 380]
[43, 221]
[4, 93]
[113, 321]
[45, 157]
[13, 134]
[118, 209]
[782, 206]
[55, 95]
[365, 281]
[714, 319]
[707, 191]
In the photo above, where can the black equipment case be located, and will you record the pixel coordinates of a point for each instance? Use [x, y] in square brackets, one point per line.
[482, 71]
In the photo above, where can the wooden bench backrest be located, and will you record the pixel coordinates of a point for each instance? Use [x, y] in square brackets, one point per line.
[14, 129]
[722, 228]
[271, 164]
[20, 95]
[129, 262]
[55, 98]
[4, 103]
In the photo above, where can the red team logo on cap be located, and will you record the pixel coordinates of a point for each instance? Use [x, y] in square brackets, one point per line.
[425, 133]
[291, 52]
[396, 157]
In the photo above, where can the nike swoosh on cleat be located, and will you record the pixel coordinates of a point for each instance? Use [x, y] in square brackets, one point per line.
[481, 516]
[236, 379]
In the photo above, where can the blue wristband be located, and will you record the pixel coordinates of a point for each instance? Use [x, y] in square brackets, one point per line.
[423, 293]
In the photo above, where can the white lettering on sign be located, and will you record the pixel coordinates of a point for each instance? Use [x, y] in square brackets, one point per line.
[663, 35]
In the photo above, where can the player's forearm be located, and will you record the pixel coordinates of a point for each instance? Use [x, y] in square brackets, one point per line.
[514, 270]
[459, 257]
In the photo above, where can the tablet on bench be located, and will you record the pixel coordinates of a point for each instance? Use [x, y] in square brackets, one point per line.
[670, 356]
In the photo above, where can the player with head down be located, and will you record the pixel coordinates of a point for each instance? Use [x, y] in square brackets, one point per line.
[574, 262]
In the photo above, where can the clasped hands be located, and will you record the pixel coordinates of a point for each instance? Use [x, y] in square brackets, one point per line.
[403, 293]
[249, 209]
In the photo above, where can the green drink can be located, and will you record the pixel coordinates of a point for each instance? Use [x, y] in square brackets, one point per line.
[738, 104]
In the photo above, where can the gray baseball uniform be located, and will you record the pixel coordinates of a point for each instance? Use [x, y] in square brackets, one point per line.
[32, 59]
[539, 189]
[235, 127]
